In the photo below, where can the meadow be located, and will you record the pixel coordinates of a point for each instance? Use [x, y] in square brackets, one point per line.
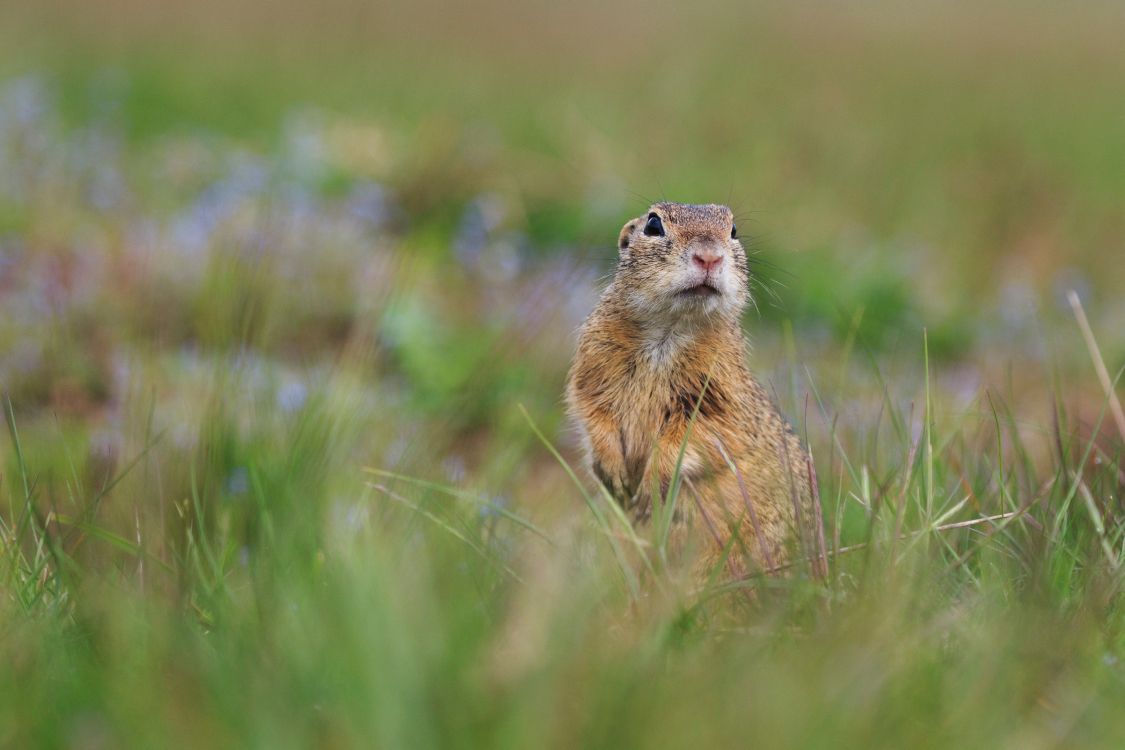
[287, 298]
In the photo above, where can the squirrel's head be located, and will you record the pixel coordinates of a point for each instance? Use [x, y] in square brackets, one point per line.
[681, 261]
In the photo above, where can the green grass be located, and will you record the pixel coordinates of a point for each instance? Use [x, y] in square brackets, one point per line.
[286, 305]
[296, 607]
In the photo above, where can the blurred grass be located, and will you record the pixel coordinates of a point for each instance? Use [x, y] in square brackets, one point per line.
[247, 251]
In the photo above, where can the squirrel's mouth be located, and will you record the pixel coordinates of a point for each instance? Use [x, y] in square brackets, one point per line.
[699, 290]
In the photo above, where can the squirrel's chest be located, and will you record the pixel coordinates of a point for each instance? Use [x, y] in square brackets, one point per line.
[645, 415]
[657, 406]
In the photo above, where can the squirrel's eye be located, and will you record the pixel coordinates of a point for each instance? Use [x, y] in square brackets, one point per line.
[734, 231]
[653, 227]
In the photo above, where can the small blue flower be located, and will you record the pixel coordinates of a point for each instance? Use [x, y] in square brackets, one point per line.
[494, 507]
[238, 482]
[291, 396]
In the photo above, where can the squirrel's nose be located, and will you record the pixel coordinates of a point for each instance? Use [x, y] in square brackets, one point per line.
[707, 259]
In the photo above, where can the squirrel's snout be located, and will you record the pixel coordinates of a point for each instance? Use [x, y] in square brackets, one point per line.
[707, 259]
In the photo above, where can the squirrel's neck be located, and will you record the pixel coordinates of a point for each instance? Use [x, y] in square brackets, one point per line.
[667, 343]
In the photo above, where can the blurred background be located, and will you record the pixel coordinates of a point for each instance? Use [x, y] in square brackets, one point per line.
[247, 249]
[437, 187]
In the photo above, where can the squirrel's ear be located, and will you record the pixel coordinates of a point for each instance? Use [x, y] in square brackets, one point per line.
[625, 238]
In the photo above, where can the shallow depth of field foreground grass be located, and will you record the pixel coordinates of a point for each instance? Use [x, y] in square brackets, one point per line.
[298, 609]
[287, 297]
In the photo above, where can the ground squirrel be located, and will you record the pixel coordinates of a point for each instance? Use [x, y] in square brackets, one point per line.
[668, 325]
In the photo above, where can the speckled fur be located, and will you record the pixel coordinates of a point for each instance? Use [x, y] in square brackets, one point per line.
[643, 357]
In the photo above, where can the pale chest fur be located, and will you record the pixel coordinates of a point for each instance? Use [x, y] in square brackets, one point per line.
[661, 384]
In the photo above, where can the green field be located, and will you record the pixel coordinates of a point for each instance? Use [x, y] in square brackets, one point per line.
[287, 297]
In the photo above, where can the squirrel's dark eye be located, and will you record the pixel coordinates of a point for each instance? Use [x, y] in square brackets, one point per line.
[734, 231]
[653, 227]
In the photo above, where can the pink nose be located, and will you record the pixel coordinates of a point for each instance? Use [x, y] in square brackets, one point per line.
[707, 259]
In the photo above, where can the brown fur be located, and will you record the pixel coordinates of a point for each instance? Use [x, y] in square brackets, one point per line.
[647, 356]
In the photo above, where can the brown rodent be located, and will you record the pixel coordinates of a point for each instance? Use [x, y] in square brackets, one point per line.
[668, 325]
